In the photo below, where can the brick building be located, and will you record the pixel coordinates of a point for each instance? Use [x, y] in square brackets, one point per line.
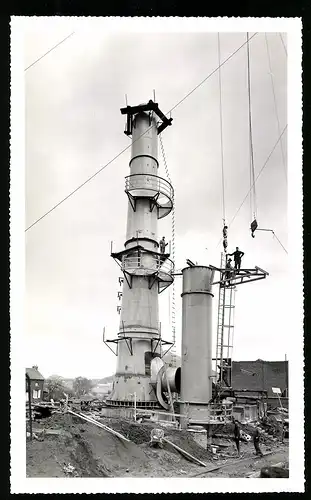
[36, 384]
[260, 375]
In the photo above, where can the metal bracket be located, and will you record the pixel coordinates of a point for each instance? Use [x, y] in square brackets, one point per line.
[128, 280]
[151, 280]
[153, 202]
[120, 295]
[106, 343]
[121, 280]
[157, 343]
[119, 309]
[129, 345]
[132, 201]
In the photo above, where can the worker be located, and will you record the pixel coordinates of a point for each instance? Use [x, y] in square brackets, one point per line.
[237, 255]
[156, 438]
[223, 373]
[256, 440]
[254, 226]
[163, 245]
[229, 271]
[237, 436]
[225, 237]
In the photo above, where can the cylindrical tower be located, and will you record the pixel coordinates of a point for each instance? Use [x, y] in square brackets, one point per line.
[146, 267]
[196, 363]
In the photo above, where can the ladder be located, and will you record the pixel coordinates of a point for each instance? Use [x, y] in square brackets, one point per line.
[225, 328]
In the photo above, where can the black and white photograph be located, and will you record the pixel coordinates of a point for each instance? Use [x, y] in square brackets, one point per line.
[156, 255]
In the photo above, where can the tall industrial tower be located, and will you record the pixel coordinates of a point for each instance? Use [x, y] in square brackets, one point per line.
[146, 268]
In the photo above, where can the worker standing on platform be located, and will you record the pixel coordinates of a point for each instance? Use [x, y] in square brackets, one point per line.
[229, 270]
[163, 245]
[237, 255]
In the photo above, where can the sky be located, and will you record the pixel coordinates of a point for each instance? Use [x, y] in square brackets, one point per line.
[74, 126]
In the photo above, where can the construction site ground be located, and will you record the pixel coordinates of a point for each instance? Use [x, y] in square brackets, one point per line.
[70, 447]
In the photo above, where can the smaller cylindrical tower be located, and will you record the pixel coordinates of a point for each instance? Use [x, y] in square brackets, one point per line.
[196, 363]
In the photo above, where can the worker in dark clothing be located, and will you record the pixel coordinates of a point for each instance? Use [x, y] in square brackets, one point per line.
[237, 436]
[254, 226]
[225, 237]
[163, 245]
[229, 271]
[237, 256]
[256, 440]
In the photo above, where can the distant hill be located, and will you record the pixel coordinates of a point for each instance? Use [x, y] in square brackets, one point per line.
[106, 380]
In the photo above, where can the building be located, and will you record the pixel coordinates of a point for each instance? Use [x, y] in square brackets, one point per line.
[101, 391]
[36, 384]
[260, 375]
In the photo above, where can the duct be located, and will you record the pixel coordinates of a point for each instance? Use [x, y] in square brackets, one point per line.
[172, 377]
[155, 366]
[196, 366]
[160, 376]
[159, 394]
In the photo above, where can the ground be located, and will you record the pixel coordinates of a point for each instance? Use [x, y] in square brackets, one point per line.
[81, 449]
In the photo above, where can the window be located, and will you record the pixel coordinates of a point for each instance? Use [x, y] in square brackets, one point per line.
[36, 394]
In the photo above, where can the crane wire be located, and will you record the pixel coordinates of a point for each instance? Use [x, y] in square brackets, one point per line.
[130, 145]
[275, 104]
[221, 135]
[252, 168]
[284, 46]
[259, 173]
[48, 52]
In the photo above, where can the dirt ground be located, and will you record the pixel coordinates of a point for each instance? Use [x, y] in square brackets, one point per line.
[81, 449]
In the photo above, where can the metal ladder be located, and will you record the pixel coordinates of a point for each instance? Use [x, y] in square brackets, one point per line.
[225, 326]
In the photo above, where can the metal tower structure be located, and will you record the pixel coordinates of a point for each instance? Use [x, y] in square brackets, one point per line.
[146, 268]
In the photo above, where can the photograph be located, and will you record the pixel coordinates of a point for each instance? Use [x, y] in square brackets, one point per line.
[156, 167]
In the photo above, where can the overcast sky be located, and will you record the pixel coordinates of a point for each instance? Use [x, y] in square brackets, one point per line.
[74, 126]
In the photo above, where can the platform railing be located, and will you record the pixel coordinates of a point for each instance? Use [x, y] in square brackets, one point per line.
[149, 185]
[147, 263]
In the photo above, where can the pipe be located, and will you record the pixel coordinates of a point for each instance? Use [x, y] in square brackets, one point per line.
[173, 379]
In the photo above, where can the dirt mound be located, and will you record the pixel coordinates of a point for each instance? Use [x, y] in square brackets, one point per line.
[140, 433]
[49, 458]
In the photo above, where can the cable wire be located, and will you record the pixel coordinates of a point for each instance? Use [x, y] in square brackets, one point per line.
[50, 50]
[283, 44]
[130, 145]
[275, 104]
[260, 172]
[252, 168]
[274, 235]
[221, 135]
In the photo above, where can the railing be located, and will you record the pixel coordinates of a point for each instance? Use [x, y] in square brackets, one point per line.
[149, 185]
[147, 263]
[210, 413]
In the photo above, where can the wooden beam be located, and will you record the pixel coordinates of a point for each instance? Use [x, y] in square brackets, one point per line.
[185, 453]
[99, 424]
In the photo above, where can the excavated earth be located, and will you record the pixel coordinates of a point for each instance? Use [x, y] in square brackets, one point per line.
[70, 447]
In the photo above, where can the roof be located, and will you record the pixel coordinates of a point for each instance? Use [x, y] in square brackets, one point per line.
[34, 374]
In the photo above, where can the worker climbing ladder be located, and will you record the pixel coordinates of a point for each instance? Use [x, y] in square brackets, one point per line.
[225, 329]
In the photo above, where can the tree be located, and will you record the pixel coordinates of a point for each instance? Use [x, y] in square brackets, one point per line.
[55, 388]
[82, 386]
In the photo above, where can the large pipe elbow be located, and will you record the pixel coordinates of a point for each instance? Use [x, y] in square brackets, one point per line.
[171, 377]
